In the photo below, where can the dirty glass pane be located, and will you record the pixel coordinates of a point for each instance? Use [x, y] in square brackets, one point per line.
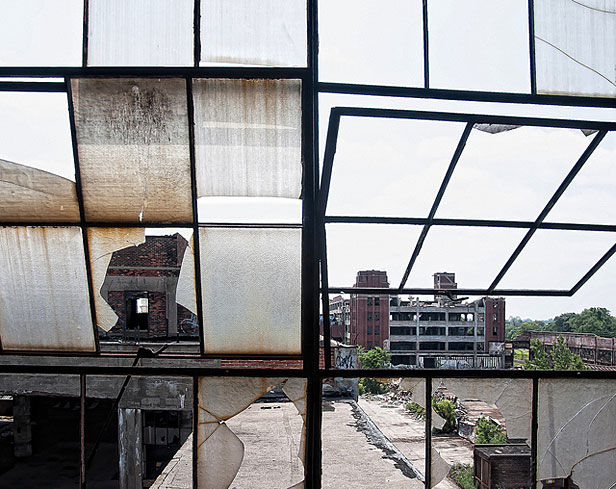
[144, 285]
[575, 47]
[557, 259]
[148, 440]
[389, 167]
[244, 32]
[481, 428]
[140, 32]
[41, 33]
[576, 432]
[510, 174]
[253, 210]
[374, 432]
[43, 290]
[479, 45]
[385, 247]
[248, 137]
[133, 149]
[249, 434]
[371, 42]
[256, 275]
[477, 257]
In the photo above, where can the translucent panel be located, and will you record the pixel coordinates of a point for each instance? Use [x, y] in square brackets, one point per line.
[511, 174]
[390, 167]
[41, 33]
[264, 210]
[28, 194]
[591, 197]
[144, 284]
[375, 247]
[235, 265]
[140, 32]
[28, 118]
[44, 291]
[255, 445]
[576, 431]
[479, 45]
[557, 259]
[133, 149]
[575, 47]
[243, 32]
[477, 256]
[248, 137]
[372, 42]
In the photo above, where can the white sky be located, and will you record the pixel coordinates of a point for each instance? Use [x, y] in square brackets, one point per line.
[393, 168]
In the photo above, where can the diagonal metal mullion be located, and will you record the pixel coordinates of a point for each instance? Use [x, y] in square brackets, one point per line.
[561, 189]
[593, 270]
[328, 159]
[437, 201]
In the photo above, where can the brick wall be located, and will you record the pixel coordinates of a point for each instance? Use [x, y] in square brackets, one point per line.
[364, 311]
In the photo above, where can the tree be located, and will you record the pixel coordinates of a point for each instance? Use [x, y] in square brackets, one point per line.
[446, 409]
[560, 358]
[597, 320]
[562, 323]
[488, 432]
[538, 358]
[374, 358]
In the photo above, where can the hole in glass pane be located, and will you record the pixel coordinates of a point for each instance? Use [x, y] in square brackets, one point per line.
[371, 42]
[264, 210]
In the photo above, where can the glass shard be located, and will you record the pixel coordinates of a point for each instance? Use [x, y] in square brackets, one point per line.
[133, 149]
[236, 263]
[140, 33]
[44, 291]
[185, 295]
[219, 458]
[248, 138]
[575, 47]
[263, 33]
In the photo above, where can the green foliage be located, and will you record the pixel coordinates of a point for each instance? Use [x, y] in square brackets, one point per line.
[360, 388]
[462, 474]
[415, 409]
[560, 358]
[375, 358]
[488, 432]
[540, 359]
[446, 409]
[596, 320]
[520, 355]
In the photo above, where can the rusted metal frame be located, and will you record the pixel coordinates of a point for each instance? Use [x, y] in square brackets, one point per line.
[328, 160]
[23, 86]
[437, 200]
[594, 269]
[531, 47]
[548, 207]
[82, 431]
[82, 216]
[466, 95]
[426, 44]
[534, 428]
[428, 440]
[195, 441]
[465, 291]
[197, 33]
[195, 223]
[470, 223]
[325, 299]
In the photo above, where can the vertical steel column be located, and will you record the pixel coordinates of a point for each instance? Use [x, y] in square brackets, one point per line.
[531, 46]
[426, 53]
[428, 465]
[82, 431]
[85, 33]
[533, 433]
[197, 32]
[195, 444]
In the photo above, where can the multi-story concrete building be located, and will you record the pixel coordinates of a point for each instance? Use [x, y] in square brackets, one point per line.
[369, 314]
[340, 319]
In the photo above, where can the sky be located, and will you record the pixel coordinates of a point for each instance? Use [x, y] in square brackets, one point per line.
[393, 168]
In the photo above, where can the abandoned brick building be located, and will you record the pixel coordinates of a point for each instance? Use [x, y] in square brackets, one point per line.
[141, 285]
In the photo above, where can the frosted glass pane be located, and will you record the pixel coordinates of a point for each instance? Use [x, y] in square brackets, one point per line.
[133, 149]
[248, 137]
[251, 286]
[29, 194]
[44, 302]
[479, 45]
[576, 431]
[371, 41]
[248, 32]
[575, 47]
[141, 32]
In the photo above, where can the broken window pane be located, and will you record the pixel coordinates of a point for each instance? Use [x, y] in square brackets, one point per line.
[133, 149]
[256, 274]
[41, 33]
[144, 284]
[248, 137]
[378, 161]
[479, 424]
[511, 174]
[576, 432]
[575, 47]
[43, 290]
[371, 42]
[242, 442]
[140, 33]
[478, 255]
[385, 247]
[555, 259]
[479, 45]
[243, 32]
